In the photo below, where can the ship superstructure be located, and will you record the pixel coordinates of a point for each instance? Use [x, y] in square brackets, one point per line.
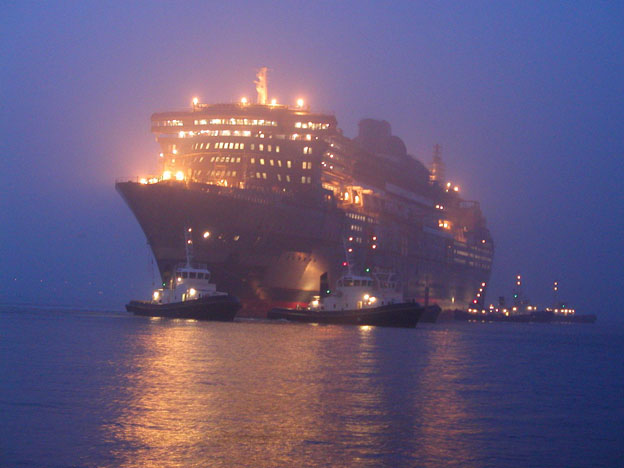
[273, 192]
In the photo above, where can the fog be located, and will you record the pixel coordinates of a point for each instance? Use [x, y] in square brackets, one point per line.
[525, 98]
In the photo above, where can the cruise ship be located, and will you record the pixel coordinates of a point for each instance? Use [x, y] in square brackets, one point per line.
[277, 196]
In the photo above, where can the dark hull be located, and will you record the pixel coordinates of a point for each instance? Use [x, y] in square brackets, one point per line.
[218, 308]
[393, 315]
[269, 250]
[430, 314]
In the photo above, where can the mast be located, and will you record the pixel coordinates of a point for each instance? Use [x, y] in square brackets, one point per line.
[437, 165]
[262, 86]
[188, 245]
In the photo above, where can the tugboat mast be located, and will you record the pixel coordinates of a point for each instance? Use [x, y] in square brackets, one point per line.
[188, 245]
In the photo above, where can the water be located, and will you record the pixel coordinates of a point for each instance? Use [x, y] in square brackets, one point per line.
[82, 389]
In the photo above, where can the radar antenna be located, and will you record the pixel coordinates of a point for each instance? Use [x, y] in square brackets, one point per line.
[188, 245]
[261, 85]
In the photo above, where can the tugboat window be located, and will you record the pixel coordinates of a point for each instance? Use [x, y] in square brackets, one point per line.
[200, 276]
[192, 274]
[184, 274]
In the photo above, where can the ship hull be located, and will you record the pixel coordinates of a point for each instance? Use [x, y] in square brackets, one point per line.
[404, 315]
[269, 250]
[216, 308]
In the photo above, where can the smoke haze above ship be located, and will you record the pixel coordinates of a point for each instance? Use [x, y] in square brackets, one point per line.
[524, 99]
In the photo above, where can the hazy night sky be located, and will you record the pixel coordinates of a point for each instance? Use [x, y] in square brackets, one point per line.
[526, 99]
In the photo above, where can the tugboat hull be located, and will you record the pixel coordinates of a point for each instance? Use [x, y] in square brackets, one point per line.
[217, 308]
[392, 315]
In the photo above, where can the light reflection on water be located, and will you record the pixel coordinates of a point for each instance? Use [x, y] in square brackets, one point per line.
[117, 390]
[267, 394]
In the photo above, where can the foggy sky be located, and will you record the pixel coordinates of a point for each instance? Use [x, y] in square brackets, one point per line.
[526, 99]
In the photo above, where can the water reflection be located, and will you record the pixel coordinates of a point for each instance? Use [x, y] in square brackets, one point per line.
[251, 394]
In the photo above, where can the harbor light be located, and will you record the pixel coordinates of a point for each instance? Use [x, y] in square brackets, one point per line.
[195, 101]
[206, 234]
[366, 297]
[273, 102]
[143, 181]
[179, 175]
[192, 292]
[156, 295]
[300, 102]
[166, 175]
[243, 100]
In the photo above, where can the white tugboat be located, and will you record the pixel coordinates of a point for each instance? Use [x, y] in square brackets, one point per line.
[357, 300]
[190, 294]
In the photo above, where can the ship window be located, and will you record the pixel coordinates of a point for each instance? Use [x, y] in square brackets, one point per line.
[261, 147]
[192, 274]
[231, 145]
[201, 159]
[279, 163]
[289, 164]
[269, 148]
[225, 132]
[264, 175]
[184, 274]
[242, 146]
[262, 161]
[303, 179]
[200, 276]
[253, 146]
[207, 145]
[356, 283]
[257, 175]
[307, 150]
[253, 160]
[236, 145]
[277, 148]
[271, 162]
[348, 283]
[287, 178]
[201, 146]
[233, 173]
[279, 177]
[238, 159]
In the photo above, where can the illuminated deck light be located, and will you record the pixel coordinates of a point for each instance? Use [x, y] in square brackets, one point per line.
[206, 234]
[143, 181]
[243, 100]
[166, 175]
[195, 101]
[300, 102]
[274, 102]
[179, 175]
